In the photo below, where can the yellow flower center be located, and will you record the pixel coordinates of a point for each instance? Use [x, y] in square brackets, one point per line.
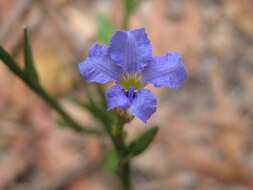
[132, 80]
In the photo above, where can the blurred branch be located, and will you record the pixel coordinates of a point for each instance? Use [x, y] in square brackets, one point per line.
[18, 11]
[220, 170]
[34, 27]
[60, 182]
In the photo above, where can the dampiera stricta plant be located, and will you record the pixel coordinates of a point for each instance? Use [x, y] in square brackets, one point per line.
[130, 63]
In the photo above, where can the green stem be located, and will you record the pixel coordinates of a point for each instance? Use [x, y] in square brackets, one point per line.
[124, 165]
[124, 174]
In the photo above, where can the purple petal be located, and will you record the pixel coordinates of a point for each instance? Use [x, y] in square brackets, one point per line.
[143, 105]
[131, 93]
[98, 67]
[166, 70]
[116, 97]
[131, 50]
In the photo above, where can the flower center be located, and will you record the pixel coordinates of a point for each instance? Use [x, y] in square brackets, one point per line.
[132, 80]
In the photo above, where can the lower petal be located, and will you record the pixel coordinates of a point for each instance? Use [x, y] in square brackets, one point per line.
[116, 98]
[143, 105]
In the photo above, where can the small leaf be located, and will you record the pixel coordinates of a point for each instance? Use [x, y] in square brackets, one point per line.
[28, 58]
[111, 161]
[141, 143]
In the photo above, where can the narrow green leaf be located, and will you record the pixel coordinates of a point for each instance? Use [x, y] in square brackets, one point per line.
[28, 58]
[141, 143]
[11, 64]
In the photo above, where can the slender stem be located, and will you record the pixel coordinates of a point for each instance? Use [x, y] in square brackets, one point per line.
[124, 165]
[124, 174]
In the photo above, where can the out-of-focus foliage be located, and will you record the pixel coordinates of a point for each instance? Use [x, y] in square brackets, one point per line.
[104, 28]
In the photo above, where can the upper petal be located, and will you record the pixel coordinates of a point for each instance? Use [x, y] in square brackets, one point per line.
[98, 67]
[166, 70]
[117, 98]
[143, 105]
[131, 50]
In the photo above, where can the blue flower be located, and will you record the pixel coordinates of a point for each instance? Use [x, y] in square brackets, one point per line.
[128, 61]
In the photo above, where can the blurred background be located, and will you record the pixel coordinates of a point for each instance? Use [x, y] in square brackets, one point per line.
[206, 127]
